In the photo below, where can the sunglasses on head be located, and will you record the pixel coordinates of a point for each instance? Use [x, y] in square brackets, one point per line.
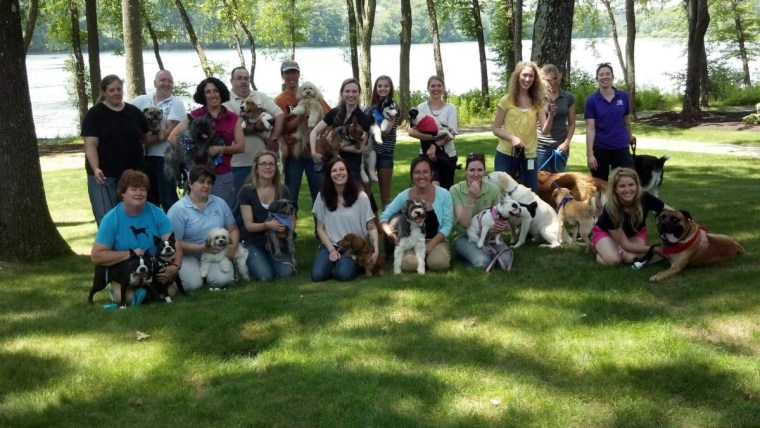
[476, 156]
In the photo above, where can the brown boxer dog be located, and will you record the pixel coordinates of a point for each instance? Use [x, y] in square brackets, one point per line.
[683, 244]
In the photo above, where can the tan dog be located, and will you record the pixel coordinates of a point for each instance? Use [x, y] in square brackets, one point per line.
[682, 240]
[584, 188]
[359, 250]
[252, 113]
[154, 116]
[577, 214]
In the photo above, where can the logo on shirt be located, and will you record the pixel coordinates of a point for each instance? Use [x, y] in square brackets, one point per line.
[138, 230]
[619, 102]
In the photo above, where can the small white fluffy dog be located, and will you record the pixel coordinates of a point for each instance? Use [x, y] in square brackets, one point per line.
[309, 97]
[480, 228]
[218, 238]
[545, 223]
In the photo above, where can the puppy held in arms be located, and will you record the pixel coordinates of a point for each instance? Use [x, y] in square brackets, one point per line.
[192, 149]
[487, 225]
[217, 241]
[252, 114]
[309, 97]
[154, 116]
[685, 243]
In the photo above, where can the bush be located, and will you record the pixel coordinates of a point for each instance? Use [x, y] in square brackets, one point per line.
[751, 119]
[582, 85]
[742, 96]
[651, 98]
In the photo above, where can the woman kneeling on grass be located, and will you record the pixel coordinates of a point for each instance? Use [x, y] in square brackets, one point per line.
[620, 234]
[438, 221]
[340, 208]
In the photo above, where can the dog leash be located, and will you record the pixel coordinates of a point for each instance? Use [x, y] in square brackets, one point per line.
[497, 258]
[556, 153]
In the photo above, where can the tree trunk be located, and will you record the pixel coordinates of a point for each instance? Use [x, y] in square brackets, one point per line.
[154, 40]
[76, 51]
[705, 90]
[518, 17]
[630, 70]
[193, 38]
[365, 10]
[436, 38]
[509, 7]
[93, 47]
[552, 33]
[135, 85]
[741, 39]
[481, 52]
[406, 44]
[352, 39]
[292, 30]
[31, 22]
[698, 18]
[251, 40]
[615, 40]
[29, 234]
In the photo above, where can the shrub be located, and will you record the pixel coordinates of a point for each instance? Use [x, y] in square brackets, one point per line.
[581, 84]
[751, 119]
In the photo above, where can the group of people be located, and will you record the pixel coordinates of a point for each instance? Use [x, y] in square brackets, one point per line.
[534, 121]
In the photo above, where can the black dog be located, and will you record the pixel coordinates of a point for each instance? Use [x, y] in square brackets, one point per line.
[165, 251]
[134, 272]
[191, 148]
[651, 172]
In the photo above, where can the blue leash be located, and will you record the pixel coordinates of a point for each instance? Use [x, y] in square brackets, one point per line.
[555, 155]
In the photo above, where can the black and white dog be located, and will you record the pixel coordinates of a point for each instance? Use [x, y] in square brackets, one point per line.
[651, 171]
[278, 243]
[165, 252]
[135, 272]
[192, 146]
[388, 111]
[411, 233]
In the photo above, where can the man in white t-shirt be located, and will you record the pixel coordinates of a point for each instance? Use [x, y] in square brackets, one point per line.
[255, 142]
[163, 192]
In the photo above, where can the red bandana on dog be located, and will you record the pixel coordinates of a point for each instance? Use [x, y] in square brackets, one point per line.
[675, 249]
[427, 124]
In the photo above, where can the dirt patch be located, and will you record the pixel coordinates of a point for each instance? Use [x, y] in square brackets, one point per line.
[60, 149]
[708, 120]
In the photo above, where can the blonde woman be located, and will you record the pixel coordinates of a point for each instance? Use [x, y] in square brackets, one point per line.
[563, 126]
[515, 124]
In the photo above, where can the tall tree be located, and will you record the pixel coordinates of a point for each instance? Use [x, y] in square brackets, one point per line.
[436, 37]
[31, 22]
[135, 75]
[552, 34]
[79, 67]
[736, 25]
[283, 24]
[241, 17]
[29, 234]
[502, 36]
[477, 22]
[154, 41]
[93, 47]
[205, 65]
[365, 14]
[353, 39]
[698, 18]
[518, 29]
[405, 39]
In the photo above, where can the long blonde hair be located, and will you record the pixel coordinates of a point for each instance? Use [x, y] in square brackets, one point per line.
[253, 179]
[537, 91]
[613, 207]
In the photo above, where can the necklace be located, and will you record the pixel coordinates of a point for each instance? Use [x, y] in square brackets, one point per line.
[435, 113]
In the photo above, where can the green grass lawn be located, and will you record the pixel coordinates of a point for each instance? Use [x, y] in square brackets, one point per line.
[558, 341]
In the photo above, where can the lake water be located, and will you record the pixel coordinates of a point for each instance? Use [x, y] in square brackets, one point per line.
[55, 115]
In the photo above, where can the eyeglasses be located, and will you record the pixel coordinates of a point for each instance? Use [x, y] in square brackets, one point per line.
[476, 156]
[267, 164]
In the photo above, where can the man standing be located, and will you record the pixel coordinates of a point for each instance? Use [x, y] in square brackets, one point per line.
[255, 142]
[295, 166]
[163, 192]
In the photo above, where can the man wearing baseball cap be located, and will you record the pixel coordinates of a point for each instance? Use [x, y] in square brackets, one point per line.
[294, 167]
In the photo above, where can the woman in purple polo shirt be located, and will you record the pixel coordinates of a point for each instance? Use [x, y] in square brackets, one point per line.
[608, 126]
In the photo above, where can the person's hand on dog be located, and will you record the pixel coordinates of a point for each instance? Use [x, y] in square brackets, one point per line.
[393, 237]
[272, 144]
[275, 226]
[373, 257]
[138, 251]
[215, 150]
[317, 157]
[167, 274]
[334, 255]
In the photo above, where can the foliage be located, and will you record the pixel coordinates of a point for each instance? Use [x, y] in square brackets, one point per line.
[501, 41]
[739, 95]
[650, 98]
[71, 83]
[581, 84]
[751, 119]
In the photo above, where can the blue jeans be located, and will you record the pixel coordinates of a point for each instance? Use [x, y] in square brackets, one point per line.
[294, 169]
[323, 269]
[163, 192]
[477, 257]
[263, 267]
[510, 164]
[224, 188]
[555, 162]
[103, 197]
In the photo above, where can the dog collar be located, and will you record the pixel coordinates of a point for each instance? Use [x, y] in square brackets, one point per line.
[677, 248]
[564, 201]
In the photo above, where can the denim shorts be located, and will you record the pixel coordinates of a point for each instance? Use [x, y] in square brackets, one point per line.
[384, 160]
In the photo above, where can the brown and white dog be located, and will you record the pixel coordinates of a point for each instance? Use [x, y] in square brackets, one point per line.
[683, 245]
[342, 136]
[577, 214]
[154, 116]
[253, 113]
[356, 247]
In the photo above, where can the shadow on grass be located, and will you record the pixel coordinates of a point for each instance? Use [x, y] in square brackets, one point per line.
[23, 372]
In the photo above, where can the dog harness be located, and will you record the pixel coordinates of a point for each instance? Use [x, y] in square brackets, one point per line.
[564, 201]
[500, 223]
[675, 249]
